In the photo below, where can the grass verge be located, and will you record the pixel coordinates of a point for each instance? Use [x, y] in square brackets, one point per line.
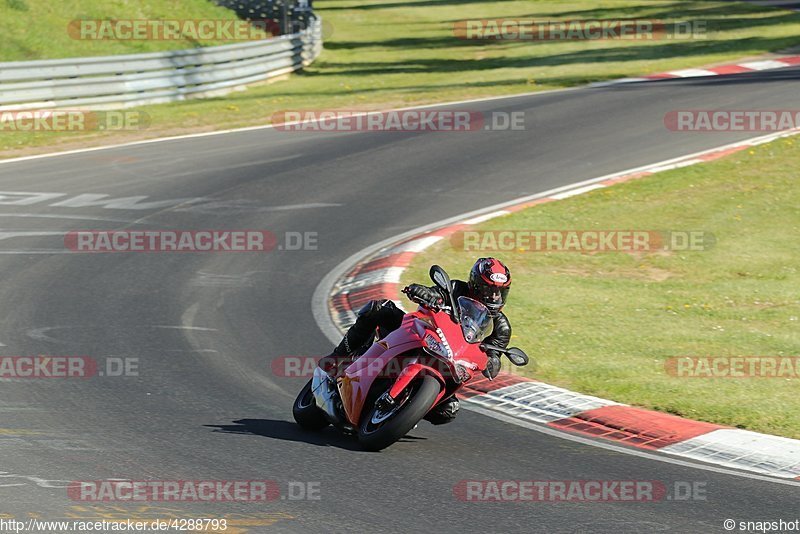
[38, 29]
[605, 323]
[400, 53]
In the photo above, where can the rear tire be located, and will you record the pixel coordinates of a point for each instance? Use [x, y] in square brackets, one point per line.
[376, 436]
[305, 410]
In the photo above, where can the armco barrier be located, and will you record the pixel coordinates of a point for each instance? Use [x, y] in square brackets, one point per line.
[137, 79]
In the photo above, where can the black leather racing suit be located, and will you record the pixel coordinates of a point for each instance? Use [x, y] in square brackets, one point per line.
[386, 317]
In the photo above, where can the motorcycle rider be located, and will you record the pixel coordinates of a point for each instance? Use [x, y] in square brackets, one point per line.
[489, 282]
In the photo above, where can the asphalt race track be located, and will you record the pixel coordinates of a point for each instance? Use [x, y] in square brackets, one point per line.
[205, 327]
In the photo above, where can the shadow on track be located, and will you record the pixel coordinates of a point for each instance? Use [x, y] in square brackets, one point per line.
[289, 431]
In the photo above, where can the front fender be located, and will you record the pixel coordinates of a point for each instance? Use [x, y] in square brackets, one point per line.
[412, 371]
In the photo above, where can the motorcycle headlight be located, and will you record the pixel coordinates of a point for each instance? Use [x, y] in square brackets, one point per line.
[433, 345]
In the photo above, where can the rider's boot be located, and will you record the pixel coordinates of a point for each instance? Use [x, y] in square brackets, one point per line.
[341, 354]
[445, 412]
[360, 334]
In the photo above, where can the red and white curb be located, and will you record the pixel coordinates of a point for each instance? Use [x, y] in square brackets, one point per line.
[377, 274]
[720, 70]
[645, 429]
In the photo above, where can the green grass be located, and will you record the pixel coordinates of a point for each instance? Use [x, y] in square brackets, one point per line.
[37, 29]
[399, 53]
[604, 324]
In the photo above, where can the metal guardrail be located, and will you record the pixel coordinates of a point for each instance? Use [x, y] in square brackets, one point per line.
[137, 79]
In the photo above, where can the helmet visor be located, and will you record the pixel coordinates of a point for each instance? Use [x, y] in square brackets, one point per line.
[492, 296]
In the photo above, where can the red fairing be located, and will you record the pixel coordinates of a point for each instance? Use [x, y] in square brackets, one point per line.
[397, 356]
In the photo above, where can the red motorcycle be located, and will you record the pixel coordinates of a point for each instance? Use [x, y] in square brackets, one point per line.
[383, 394]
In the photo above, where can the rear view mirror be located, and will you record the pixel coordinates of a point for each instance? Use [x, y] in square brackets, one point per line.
[440, 278]
[517, 356]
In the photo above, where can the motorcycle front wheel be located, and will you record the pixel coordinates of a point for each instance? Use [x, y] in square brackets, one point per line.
[380, 427]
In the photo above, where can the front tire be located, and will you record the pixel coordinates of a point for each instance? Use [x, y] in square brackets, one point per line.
[379, 429]
[305, 410]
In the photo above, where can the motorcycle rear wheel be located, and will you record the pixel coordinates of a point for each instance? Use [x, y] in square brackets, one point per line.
[380, 428]
[306, 412]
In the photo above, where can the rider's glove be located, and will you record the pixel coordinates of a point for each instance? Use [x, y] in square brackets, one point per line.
[423, 295]
[492, 366]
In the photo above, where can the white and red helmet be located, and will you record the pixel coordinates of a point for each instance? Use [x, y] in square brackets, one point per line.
[489, 282]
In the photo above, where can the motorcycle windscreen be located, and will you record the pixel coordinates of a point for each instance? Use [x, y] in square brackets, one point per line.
[476, 323]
